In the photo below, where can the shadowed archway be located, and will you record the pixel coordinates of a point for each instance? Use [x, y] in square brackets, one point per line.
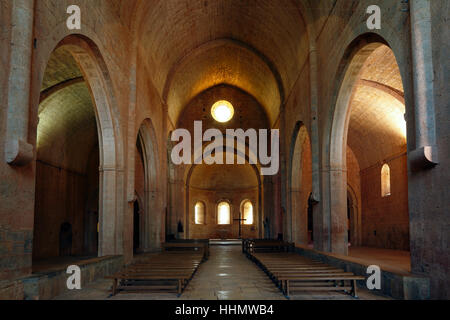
[78, 153]
[369, 120]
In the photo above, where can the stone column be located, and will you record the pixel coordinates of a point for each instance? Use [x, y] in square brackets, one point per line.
[315, 145]
[338, 211]
[299, 218]
[330, 219]
[425, 153]
[315, 141]
[107, 217]
[152, 221]
[17, 149]
[282, 225]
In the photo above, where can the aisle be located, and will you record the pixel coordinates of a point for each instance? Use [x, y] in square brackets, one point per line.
[227, 275]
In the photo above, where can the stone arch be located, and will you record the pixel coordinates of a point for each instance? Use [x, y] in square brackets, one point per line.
[95, 72]
[299, 183]
[355, 216]
[334, 233]
[152, 219]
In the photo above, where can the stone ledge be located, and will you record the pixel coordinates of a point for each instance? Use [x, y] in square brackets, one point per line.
[394, 283]
[11, 290]
[47, 285]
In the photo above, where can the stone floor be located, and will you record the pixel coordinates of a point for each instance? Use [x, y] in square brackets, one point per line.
[227, 275]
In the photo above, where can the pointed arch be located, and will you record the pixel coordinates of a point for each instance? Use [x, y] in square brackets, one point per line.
[95, 72]
[299, 183]
[152, 218]
[334, 231]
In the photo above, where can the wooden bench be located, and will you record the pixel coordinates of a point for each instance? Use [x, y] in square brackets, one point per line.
[202, 248]
[135, 282]
[250, 246]
[323, 282]
[292, 272]
[205, 242]
[168, 271]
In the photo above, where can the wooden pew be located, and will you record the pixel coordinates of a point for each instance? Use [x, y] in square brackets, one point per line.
[292, 272]
[250, 246]
[323, 284]
[169, 270]
[202, 248]
[196, 241]
[149, 282]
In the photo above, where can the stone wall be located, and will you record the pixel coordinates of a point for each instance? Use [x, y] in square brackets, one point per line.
[385, 220]
[16, 185]
[211, 230]
[45, 286]
[61, 197]
[428, 190]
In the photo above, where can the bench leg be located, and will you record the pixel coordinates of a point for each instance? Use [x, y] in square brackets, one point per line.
[354, 288]
[179, 287]
[287, 289]
[114, 287]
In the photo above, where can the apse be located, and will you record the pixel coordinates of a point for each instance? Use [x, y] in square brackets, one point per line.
[219, 197]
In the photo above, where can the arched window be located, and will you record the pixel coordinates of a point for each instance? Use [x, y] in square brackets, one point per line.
[247, 212]
[385, 180]
[199, 213]
[223, 213]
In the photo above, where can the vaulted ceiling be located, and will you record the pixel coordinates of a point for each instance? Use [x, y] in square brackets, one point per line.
[377, 128]
[67, 130]
[192, 45]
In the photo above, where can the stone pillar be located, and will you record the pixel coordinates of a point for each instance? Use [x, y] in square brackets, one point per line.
[17, 149]
[128, 225]
[425, 153]
[315, 145]
[128, 232]
[280, 198]
[330, 223]
[299, 218]
[322, 217]
[280, 212]
[107, 217]
[315, 140]
[338, 211]
[152, 221]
